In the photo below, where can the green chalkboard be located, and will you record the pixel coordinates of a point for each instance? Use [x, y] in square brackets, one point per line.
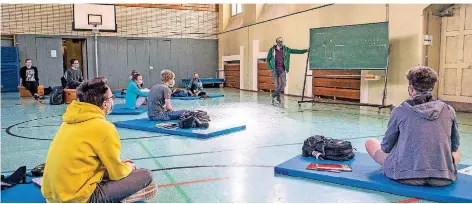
[359, 47]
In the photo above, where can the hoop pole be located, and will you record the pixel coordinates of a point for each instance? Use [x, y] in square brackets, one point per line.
[96, 55]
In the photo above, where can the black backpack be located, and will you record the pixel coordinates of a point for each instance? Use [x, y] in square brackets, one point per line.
[47, 91]
[194, 119]
[57, 96]
[321, 147]
[38, 171]
[18, 177]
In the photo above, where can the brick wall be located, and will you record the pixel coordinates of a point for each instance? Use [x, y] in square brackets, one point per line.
[197, 7]
[132, 21]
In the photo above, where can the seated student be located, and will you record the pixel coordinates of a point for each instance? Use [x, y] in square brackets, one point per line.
[83, 162]
[179, 93]
[29, 79]
[195, 86]
[421, 144]
[134, 96]
[159, 106]
[133, 72]
[73, 75]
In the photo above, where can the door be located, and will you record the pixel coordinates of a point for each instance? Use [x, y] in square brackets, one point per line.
[455, 71]
[160, 60]
[138, 59]
[49, 61]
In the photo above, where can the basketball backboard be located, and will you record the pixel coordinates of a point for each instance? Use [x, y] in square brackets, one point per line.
[89, 17]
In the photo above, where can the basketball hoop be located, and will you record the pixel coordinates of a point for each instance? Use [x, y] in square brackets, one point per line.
[95, 28]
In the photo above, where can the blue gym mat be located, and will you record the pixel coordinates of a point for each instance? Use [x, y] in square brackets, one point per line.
[206, 81]
[120, 109]
[25, 193]
[215, 129]
[197, 97]
[117, 94]
[367, 174]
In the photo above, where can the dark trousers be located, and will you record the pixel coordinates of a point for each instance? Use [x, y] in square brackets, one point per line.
[31, 86]
[116, 191]
[73, 84]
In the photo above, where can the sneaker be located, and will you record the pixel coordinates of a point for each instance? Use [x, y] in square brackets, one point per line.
[35, 97]
[272, 98]
[144, 194]
[41, 97]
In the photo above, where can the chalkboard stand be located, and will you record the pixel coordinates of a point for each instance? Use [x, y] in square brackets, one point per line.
[384, 95]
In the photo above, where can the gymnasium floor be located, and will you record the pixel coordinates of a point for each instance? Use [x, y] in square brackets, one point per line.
[232, 168]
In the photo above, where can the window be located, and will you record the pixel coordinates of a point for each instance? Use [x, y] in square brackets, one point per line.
[236, 9]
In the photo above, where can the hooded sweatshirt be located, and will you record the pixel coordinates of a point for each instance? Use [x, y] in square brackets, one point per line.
[85, 146]
[421, 136]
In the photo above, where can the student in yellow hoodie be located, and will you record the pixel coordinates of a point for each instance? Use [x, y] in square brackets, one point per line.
[83, 163]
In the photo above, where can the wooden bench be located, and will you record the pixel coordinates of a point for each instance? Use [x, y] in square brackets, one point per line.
[26, 93]
[70, 95]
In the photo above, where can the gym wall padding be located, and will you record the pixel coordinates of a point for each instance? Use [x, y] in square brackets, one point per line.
[119, 55]
[10, 69]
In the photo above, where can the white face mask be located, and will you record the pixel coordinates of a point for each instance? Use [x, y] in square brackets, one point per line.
[173, 83]
[111, 109]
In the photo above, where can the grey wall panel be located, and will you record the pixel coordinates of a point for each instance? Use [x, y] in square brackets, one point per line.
[50, 68]
[122, 67]
[27, 49]
[192, 61]
[209, 58]
[42, 62]
[154, 62]
[55, 65]
[31, 51]
[138, 58]
[90, 53]
[21, 45]
[142, 56]
[179, 60]
[163, 59]
[103, 60]
[112, 64]
[203, 55]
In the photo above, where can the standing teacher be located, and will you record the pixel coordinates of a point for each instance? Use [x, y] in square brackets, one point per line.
[278, 61]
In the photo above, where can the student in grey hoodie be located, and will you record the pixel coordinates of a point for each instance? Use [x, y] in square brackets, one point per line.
[73, 75]
[421, 144]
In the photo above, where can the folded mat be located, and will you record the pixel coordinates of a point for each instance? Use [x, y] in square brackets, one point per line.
[120, 109]
[367, 174]
[197, 97]
[216, 128]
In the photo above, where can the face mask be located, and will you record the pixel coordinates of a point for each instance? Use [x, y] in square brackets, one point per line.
[172, 85]
[76, 66]
[111, 108]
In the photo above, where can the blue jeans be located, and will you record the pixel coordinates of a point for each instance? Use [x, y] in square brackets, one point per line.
[168, 115]
[279, 79]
